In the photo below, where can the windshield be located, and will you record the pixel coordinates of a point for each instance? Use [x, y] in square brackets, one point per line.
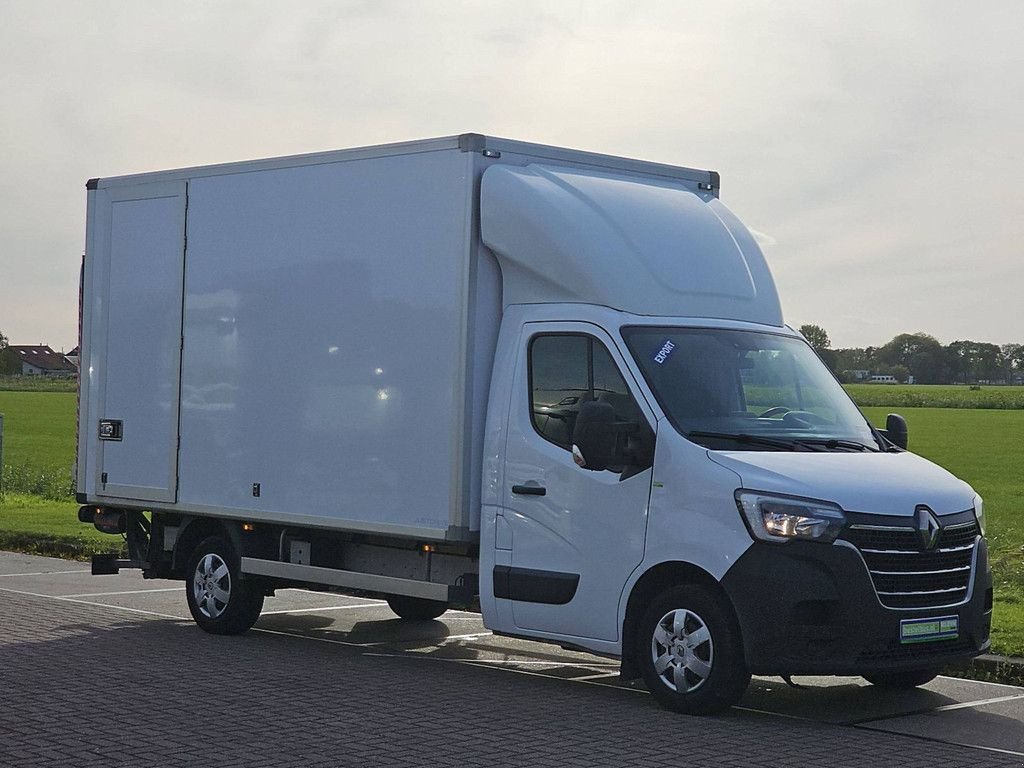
[741, 389]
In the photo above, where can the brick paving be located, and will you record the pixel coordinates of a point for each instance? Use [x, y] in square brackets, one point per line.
[83, 685]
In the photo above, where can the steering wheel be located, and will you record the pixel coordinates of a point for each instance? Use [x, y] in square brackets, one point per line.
[803, 419]
[776, 411]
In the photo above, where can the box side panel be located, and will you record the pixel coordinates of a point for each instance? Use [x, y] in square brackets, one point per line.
[324, 336]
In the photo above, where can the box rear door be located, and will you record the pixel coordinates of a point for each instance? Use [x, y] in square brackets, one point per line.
[141, 367]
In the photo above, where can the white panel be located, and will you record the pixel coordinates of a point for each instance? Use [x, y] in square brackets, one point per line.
[325, 341]
[641, 245]
[143, 338]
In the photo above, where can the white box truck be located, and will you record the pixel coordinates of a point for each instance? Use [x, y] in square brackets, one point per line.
[473, 371]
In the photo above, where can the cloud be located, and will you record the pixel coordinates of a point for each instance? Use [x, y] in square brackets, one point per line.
[879, 143]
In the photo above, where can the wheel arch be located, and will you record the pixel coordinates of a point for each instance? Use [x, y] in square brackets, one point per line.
[652, 582]
[197, 529]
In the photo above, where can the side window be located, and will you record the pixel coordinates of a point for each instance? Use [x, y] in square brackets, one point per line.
[568, 370]
[559, 382]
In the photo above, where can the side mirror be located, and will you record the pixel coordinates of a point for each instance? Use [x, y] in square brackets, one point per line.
[896, 430]
[594, 436]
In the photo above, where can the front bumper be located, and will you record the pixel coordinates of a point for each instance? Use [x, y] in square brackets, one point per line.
[808, 608]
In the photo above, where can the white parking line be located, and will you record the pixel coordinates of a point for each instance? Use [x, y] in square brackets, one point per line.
[974, 703]
[497, 664]
[98, 605]
[176, 618]
[580, 680]
[981, 682]
[981, 703]
[127, 592]
[768, 712]
[328, 640]
[323, 608]
[939, 741]
[584, 678]
[45, 573]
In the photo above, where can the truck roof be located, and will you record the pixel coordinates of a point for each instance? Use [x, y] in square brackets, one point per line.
[465, 142]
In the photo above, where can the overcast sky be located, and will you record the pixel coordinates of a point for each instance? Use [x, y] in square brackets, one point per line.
[878, 146]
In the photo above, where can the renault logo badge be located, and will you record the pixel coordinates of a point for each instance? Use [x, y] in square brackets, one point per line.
[928, 528]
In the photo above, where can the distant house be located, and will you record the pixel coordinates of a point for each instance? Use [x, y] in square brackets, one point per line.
[42, 361]
[72, 357]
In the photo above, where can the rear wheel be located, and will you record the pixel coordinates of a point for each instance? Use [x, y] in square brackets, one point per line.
[220, 601]
[690, 652]
[416, 608]
[902, 680]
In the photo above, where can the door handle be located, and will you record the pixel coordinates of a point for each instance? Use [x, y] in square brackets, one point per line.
[529, 490]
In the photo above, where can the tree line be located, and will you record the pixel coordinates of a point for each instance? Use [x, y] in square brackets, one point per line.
[923, 357]
[4, 362]
[8, 364]
[916, 355]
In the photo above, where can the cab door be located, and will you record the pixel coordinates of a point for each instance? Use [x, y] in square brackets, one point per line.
[576, 533]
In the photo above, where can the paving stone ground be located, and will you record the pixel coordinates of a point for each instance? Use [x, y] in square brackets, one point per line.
[87, 683]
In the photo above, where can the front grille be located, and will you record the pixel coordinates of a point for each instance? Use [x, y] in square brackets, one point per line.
[905, 574]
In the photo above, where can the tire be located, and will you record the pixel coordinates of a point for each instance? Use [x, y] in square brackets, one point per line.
[902, 680]
[220, 601]
[416, 608]
[690, 653]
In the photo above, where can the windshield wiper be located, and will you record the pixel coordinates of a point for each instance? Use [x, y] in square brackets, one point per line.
[832, 443]
[782, 445]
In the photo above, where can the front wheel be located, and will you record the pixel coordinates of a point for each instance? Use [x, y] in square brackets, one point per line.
[220, 601]
[690, 652]
[902, 680]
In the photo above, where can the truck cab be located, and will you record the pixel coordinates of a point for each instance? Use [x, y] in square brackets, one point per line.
[698, 494]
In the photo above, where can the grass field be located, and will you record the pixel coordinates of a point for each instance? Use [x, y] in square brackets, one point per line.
[37, 510]
[39, 442]
[984, 447]
[936, 396]
[32, 524]
[36, 384]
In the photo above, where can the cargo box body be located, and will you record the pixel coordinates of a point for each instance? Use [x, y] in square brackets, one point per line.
[303, 340]
[304, 329]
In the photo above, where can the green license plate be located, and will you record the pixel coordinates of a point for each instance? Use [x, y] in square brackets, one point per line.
[929, 630]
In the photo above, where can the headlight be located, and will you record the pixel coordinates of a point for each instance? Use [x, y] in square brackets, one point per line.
[781, 519]
[979, 513]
